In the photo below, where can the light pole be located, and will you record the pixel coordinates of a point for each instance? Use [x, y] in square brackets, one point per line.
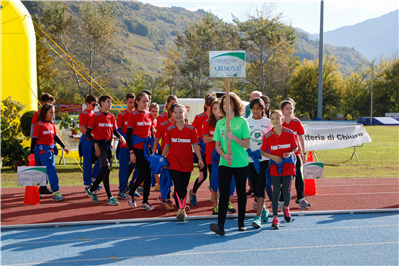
[319, 115]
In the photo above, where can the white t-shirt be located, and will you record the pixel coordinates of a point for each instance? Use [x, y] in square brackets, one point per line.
[258, 128]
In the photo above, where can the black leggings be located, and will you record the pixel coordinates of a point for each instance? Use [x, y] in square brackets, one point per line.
[104, 177]
[284, 183]
[180, 182]
[299, 181]
[144, 175]
[258, 180]
[203, 170]
[240, 177]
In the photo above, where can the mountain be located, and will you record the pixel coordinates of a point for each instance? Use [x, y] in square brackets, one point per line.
[152, 29]
[347, 58]
[372, 38]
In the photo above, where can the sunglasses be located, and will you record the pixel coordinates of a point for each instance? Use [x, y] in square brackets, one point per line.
[93, 104]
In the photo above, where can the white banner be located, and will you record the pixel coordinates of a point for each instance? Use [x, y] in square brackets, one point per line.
[32, 175]
[227, 64]
[334, 136]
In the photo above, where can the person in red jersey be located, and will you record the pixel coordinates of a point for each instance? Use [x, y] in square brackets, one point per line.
[139, 126]
[208, 130]
[125, 168]
[279, 144]
[180, 139]
[160, 135]
[46, 98]
[198, 124]
[85, 145]
[100, 132]
[164, 116]
[44, 147]
[287, 107]
[154, 110]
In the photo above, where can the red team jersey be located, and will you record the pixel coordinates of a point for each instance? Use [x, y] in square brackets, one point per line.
[296, 126]
[278, 145]
[180, 155]
[208, 131]
[85, 117]
[199, 122]
[121, 122]
[141, 124]
[102, 126]
[44, 132]
[162, 117]
[35, 116]
[161, 132]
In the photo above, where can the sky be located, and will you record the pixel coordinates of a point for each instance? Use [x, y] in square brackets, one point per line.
[298, 13]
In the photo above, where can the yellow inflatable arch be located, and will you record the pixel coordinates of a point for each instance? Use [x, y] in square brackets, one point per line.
[18, 54]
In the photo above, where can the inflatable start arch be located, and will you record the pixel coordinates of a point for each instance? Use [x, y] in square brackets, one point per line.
[18, 54]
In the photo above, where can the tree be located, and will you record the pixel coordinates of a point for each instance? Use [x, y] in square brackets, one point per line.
[209, 34]
[386, 89]
[269, 45]
[304, 87]
[92, 44]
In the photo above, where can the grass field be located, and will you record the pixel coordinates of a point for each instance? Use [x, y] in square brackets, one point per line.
[379, 158]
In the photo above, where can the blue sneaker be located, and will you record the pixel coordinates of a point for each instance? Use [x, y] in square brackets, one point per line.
[122, 195]
[99, 188]
[136, 194]
[265, 215]
[257, 223]
[193, 198]
[57, 196]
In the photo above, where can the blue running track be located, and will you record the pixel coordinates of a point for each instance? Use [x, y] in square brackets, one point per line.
[339, 239]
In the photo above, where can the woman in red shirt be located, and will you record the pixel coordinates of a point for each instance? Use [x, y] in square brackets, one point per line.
[180, 139]
[279, 145]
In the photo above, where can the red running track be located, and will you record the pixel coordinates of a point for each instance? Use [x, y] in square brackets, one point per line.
[332, 194]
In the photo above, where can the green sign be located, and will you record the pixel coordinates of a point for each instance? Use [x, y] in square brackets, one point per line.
[227, 64]
[32, 175]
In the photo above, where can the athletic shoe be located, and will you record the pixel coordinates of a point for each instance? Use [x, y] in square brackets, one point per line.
[136, 194]
[157, 188]
[193, 198]
[92, 195]
[215, 210]
[112, 201]
[231, 208]
[57, 196]
[45, 191]
[280, 206]
[255, 206]
[287, 215]
[187, 208]
[99, 188]
[303, 204]
[275, 224]
[130, 201]
[169, 205]
[257, 223]
[241, 227]
[121, 195]
[181, 216]
[265, 215]
[140, 190]
[218, 229]
[161, 199]
[147, 206]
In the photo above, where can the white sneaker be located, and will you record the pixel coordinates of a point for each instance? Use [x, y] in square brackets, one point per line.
[130, 200]
[255, 206]
[147, 206]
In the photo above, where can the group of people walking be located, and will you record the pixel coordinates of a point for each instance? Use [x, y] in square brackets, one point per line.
[267, 149]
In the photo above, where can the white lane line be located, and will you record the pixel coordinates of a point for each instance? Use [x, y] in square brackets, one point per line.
[193, 234]
[212, 252]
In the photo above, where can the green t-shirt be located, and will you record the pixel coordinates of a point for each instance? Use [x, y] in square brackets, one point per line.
[239, 127]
